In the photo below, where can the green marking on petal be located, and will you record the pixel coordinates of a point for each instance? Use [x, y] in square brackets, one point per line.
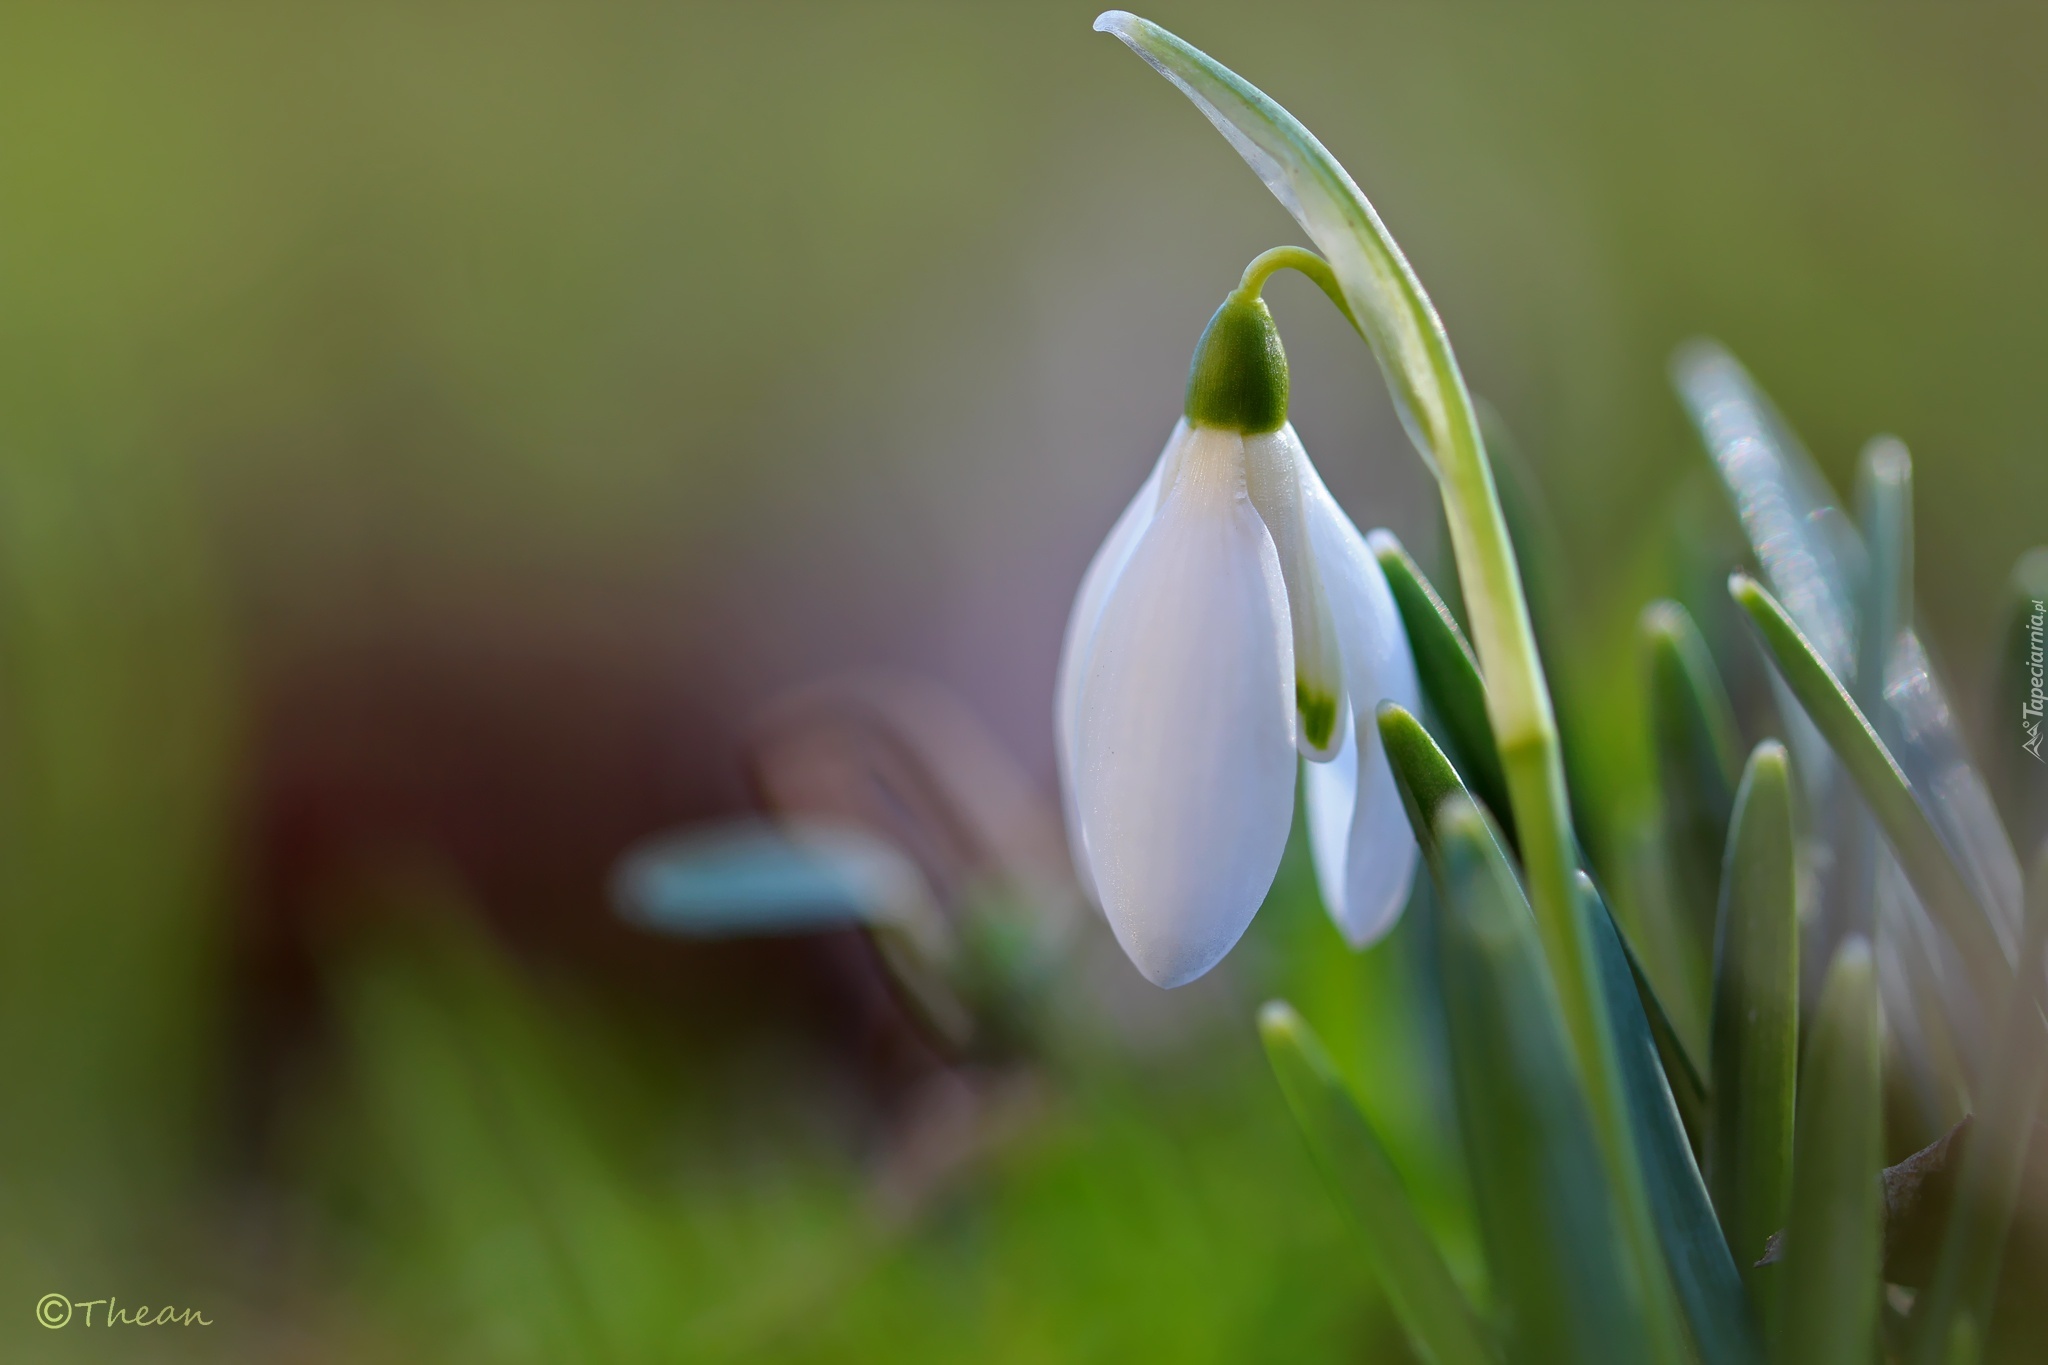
[1318, 713]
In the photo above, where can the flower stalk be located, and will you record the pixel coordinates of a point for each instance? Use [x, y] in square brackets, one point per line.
[1388, 305]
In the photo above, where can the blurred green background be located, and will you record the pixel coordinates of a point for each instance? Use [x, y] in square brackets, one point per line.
[427, 433]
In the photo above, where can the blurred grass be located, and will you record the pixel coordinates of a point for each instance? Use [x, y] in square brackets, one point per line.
[730, 343]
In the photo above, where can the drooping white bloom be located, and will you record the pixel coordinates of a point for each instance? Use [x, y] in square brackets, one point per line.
[1233, 618]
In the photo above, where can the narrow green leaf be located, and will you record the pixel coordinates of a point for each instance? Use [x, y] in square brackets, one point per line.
[1964, 1345]
[1834, 1243]
[1709, 1289]
[1684, 1072]
[1426, 778]
[1914, 841]
[1756, 1013]
[1548, 1219]
[1692, 727]
[1425, 1298]
[1449, 673]
[1422, 774]
[1784, 504]
[1973, 1242]
[1884, 511]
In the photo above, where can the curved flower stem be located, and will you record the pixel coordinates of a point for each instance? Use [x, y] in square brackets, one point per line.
[1267, 264]
[1392, 311]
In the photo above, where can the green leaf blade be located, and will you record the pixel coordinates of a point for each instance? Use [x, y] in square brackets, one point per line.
[1410, 1267]
[1548, 1218]
[1756, 1013]
[1973, 1242]
[1422, 773]
[1884, 510]
[1709, 1288]
[1914, 840]
[1834, 1242]
[1693, 734]
[1449, 672]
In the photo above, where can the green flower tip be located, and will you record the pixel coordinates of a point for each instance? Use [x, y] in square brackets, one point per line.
[1318, 713]
[1238, 381]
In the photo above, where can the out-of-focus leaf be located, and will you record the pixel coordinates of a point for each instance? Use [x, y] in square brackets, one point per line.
[1919, 848]
[1550, 1225]
[1779, 497]
[1973, 1242]
[1884, 607]
[1449, 673]
[1810, 555]
[1884, 511]
[487, 1157]
[750, 877]
[1930, 750]
[1698, 764]
[1756, 1012]
[1709, 1289]
[1411, 1271]
[1834, 1241]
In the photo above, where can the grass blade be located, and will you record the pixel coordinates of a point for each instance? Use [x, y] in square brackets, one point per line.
[1709, 1289]
[1425, 1298]
[1756, 1014]
[1450, 675]
[1834, 1243]
[1698, 764]
[1973, 1243]
[1548, 1219]
[1922, 855]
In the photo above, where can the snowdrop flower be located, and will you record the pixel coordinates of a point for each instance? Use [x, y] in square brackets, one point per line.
[1233, 618]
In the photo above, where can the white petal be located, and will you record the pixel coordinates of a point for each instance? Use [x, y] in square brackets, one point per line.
[1185, 731]
[1103, 572]
[1273, 462]
[1359, 836]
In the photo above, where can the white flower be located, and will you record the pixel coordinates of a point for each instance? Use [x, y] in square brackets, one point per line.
[1233, 618]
